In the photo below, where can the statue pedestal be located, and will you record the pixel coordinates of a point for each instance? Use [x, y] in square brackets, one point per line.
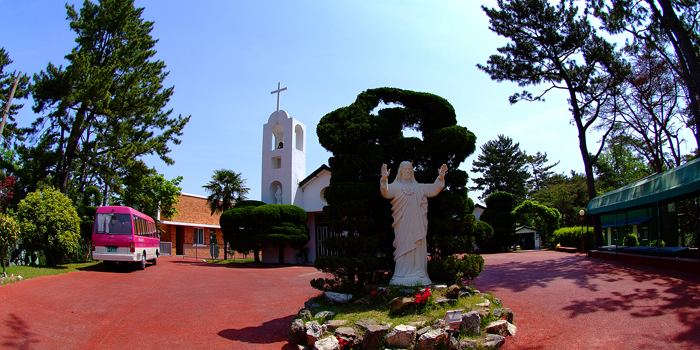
[411, 281]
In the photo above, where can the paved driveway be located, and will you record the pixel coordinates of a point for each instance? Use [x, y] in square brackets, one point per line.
[567, 301]
[177, 304]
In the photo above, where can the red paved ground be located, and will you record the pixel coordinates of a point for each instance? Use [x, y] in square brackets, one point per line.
[568, 301]
[177, 304]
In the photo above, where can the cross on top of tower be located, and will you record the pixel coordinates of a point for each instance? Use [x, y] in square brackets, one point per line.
[278, 94]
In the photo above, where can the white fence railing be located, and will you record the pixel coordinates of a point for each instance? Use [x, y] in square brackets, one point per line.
[166, 248]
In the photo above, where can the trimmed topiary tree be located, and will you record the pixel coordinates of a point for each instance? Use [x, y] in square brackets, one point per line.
[281, 225]
[239, 228]
[499, 214]
[48, 224]
[361, 141]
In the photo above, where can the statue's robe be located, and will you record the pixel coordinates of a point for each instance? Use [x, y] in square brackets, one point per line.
[409, 201]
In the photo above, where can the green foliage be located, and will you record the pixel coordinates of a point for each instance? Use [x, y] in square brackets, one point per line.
[9, 235]
[253, 225]
[7, 80]
[499, 214]
[49, 224]
[483, 234]
[544, 218]
[149, 192]
[452, 270]
[571, 237]
[226, 188]
[655, 242]
[541, 173]
[566, 194]
[238, 227]
[106, 108]
[618, 166]
[361, 141]
[630, 240]
[503, 167]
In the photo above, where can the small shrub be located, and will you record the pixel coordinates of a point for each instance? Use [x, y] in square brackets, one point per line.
[653, 243]
[456, 271]
[630, 240]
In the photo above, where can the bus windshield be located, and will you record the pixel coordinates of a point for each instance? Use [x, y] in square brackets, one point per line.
[113, 224]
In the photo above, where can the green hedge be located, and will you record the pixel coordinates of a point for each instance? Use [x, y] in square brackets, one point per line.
[571, 237]
[455, 271]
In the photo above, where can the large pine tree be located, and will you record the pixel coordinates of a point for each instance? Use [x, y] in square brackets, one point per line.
[106, 108]
[503, 167]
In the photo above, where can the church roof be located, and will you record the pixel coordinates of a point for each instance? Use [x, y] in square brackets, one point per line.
[314, 174]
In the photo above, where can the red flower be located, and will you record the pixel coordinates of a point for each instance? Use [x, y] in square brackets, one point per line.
[422, 298]
[374, 292]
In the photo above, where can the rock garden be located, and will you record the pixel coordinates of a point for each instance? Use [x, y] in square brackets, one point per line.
[397, 317]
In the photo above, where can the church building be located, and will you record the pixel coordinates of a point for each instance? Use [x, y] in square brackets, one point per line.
[284, 181]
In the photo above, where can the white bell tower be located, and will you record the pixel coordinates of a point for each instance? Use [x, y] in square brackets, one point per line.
[283, 156]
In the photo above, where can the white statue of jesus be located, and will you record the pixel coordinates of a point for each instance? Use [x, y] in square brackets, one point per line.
[409, 203]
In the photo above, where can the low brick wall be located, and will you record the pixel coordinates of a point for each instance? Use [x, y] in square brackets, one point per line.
[675, 264]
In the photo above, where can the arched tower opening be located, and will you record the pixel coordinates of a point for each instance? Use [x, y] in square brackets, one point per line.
[299, 137]
[278, 133]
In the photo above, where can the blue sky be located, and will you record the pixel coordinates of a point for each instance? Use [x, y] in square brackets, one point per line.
[225, 57]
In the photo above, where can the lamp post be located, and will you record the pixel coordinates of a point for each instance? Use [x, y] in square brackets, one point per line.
[582, 213]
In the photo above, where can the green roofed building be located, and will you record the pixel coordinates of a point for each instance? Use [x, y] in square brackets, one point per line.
[663, 205]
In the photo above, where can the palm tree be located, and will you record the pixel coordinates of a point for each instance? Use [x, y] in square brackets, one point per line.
[225, 189]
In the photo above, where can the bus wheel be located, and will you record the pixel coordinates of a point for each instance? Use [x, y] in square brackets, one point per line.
[143, 261]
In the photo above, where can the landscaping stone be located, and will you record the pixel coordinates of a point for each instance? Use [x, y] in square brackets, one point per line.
[402, 336]
[471, 323]
[499, 327]
[422, 331]
[366, 322]
[332, 297]
[374, 336]
[485, 303]
[314, 331]
[453, 292]
[310, 304]
[417, 324]
[428, 339]
[327, 343]
[512, 329]
[464, 294]
[443, 301]
[468, 344]
[304, 313]
[332, 325]
[439, 323]
[494, 341]
[484, 312]
[324, 314]
[501, 312]
[349, 334]
[497, 301]
[440, 287]
[399, 304]
[298, 332]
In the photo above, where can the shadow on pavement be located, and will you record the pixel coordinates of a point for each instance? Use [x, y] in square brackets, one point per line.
[20, 336]
[273, 331]
[672, 293]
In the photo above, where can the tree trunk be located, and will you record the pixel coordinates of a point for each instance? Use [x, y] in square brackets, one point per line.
[280, 254]
[256, 255]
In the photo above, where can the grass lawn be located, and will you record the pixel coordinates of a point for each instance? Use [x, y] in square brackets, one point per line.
[35, 271]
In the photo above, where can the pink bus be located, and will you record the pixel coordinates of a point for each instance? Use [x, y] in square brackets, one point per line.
[124, 234]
